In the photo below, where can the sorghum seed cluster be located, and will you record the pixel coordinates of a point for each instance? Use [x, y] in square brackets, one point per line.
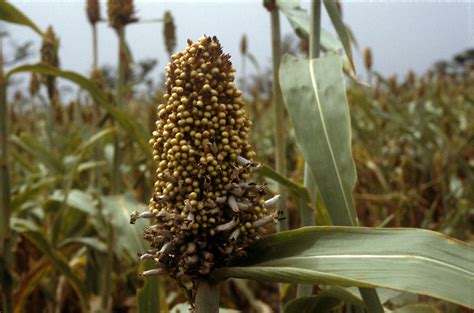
[205, 208]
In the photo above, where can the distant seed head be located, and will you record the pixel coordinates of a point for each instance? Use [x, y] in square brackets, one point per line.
[93, 11]
[243, 45]
[49, 48]
[169, 32]
[368, 58]
[34, 84]
[121, 13]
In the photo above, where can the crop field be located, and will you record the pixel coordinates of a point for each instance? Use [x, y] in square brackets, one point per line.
[300, 188]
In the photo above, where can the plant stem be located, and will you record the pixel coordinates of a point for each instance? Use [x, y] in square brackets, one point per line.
[5, 231]
[108, 270]
[122, 59]
[277, 102]
[307, 212]
[207, 297]
[94, 46]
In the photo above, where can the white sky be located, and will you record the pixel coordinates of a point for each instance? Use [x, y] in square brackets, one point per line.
[402, 34]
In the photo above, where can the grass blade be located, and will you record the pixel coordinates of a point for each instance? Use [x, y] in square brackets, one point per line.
[124, 119]
[412, 260]
[314, 91]
[341, 29]
[9, 13]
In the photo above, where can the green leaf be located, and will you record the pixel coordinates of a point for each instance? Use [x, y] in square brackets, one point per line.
[417, 308]
[126, 120]
[39, 151]
[341, 29]
[412, 260]
[148, 297]
[300, 21]
[267, 171]
[313, 304]
[9, 13]
[76, 199]
[85, 241]
[128, 238]
[314, 92]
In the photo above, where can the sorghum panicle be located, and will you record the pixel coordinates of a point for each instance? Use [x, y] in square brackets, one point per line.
[205, 208]
[121, 13]
[93, 11]
[169, 32]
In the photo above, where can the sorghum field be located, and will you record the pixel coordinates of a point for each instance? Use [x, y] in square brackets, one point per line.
[299, 189]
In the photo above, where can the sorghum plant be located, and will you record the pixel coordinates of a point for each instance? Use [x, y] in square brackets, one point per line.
[205, 207]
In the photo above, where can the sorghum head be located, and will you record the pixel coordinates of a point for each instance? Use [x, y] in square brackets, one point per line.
[205, 207]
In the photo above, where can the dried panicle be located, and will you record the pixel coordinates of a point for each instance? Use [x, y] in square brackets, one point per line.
[121, 13]
[93, 11]
[49, 48]
[169, 32]
[49, 55]
[243, 44]
[98, 78]
[205, 208]
[368, 58]
[35, 82]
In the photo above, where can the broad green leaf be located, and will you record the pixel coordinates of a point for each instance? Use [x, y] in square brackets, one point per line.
[126, 120]
[412, 260]
[9, 13]
[148, 297]
[315, 96]
[128, 238]
[313, 304]
[78, 200]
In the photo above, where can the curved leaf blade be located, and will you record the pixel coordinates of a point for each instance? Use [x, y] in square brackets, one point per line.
[341, 29]
[314, 92]
[122, 117]
[11, 14]
[412, 260]
[300, 20]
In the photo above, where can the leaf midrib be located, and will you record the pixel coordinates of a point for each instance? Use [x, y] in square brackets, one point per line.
[370, 256]
[328, 142]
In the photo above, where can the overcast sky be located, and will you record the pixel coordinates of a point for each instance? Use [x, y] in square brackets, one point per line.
[402, 34]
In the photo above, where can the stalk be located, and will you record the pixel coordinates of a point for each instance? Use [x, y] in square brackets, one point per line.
[277, 102]
[307, 213]
[120, 102]
[278, 109]
[94, 46]
[108, 270]
[207, 297]
[5, 231]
